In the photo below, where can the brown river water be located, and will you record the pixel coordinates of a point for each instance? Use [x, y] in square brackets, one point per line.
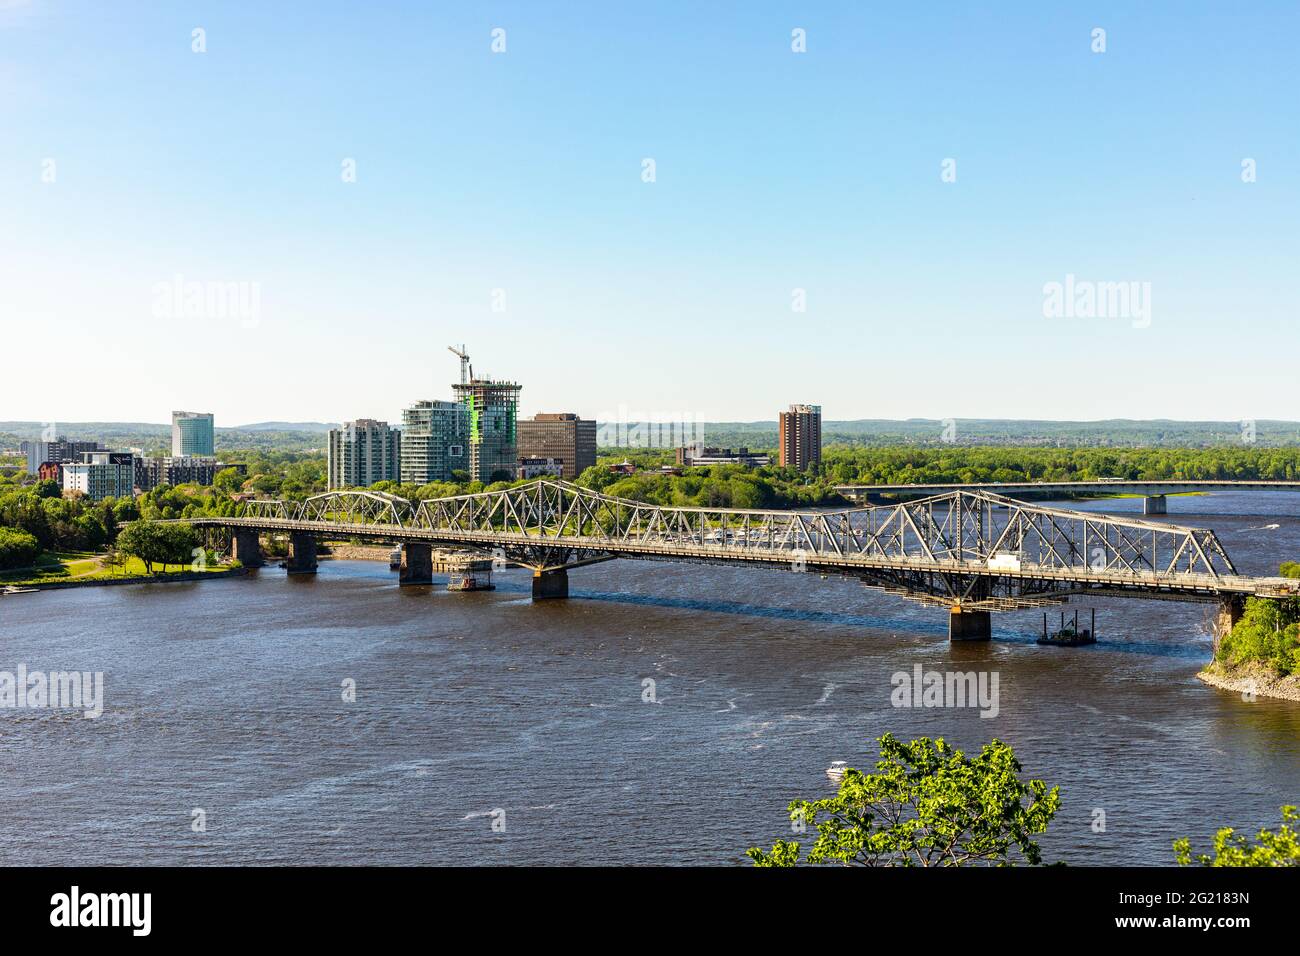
[490, 730]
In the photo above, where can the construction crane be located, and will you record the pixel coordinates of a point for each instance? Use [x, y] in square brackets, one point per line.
[466, 370]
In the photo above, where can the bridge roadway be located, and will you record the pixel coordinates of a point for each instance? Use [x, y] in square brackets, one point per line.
[970, 552]
[1153, 492]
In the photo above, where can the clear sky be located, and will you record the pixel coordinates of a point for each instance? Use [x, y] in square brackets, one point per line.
[127, 160]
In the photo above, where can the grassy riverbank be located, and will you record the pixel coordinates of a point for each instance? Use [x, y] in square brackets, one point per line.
[62, 567]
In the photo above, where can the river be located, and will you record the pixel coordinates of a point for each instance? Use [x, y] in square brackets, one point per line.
[227, 697]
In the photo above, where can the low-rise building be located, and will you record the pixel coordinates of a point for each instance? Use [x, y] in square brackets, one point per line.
[536, 467]
[698, 455]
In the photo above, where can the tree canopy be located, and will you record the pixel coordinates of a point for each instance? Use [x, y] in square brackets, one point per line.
[927, 804]
[1280, 848]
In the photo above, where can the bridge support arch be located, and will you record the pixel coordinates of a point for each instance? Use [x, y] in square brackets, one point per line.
[548, 585]
[1231, 608]
[246, 547]
[417, 563]
[1155, 505]
[969, 625]
[302, 553]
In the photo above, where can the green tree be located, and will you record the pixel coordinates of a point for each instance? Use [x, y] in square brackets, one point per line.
[927, 804]
[18, 549]
[1232, 849]
[228, 480]
[155, 543]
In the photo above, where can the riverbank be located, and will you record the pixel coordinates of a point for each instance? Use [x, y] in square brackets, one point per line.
[1254, 677]
[162, 578]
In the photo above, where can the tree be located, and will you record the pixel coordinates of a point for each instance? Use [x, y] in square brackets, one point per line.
[228, 480]
[927, 804]
[18, 549]
[1232, 849]
[155, 543]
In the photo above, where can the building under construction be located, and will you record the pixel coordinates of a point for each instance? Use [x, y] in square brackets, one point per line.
[493, 410]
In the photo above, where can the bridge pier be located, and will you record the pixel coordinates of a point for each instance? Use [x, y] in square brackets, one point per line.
[1231, 608]
[246, 547]
[1155, 505]
[302, 553]
[969, 625]
[550, 584]
[417, 563]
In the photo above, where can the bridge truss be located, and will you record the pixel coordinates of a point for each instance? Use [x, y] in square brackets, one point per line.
[973, 549]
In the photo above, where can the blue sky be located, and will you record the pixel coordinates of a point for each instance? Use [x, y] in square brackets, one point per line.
[522, 172]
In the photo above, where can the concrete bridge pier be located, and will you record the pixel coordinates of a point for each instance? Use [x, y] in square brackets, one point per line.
[1155, 505]
[246, 548]
[302, 553]
[417, 563]
[550, 584]
[969, 625]
[1231, 608]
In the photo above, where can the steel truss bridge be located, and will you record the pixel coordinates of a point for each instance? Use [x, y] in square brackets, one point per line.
[972, 551]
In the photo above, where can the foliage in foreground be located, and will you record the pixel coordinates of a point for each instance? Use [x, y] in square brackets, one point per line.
[927, 804]
[1233, 849]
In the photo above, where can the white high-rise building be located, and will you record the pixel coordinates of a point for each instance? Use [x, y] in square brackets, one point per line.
[363, 452]
[435, 440]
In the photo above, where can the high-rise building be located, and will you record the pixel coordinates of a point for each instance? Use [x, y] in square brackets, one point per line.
[56, 451]
[493, 409]
[435, 439]
[363, 452]
[101, 474]
[560, 435]
[192, 435]
[800, 438]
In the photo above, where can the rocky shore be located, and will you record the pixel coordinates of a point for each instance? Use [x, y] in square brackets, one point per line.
[1258, 678]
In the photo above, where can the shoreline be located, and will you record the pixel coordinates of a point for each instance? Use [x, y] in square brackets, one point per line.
[1256, 677]
[174, 576]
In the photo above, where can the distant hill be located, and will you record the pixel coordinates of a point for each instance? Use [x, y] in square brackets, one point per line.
[1117, 433]
[760, 435]
[156, 438]
[286, 427]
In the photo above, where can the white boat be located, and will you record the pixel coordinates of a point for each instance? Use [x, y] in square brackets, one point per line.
[395, 558]
[836, 770]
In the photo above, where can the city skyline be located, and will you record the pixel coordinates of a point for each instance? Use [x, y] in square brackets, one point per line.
[380, 184]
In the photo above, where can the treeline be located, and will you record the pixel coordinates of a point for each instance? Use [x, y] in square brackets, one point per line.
[62, 524]
[977, 464]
